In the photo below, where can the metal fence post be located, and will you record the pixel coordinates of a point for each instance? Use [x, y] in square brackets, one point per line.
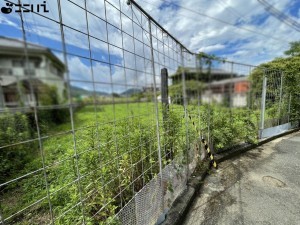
[263, 105]
[198, 66]
[231, 89]
[289, 108]
[2, 100]
[198, 70]
[280, 97]
[165, 111]
[164, 88]
[185, 109]
[210, 108]
[156, 110]
[249, 102]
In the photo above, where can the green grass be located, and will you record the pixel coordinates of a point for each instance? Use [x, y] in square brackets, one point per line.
[110, 147]
[114, 145]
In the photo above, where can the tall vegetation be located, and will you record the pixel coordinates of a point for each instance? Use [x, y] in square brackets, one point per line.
[96, 168]
[290, 66]
[14, 128]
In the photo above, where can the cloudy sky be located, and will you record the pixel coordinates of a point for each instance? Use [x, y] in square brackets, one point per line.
[118, 43]
[223, 27]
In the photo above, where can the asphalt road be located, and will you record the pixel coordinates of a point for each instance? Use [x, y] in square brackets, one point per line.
[260, 187]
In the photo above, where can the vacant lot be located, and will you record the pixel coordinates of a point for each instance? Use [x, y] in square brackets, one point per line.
[90, 165]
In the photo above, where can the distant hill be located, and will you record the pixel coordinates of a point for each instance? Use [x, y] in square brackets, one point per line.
[131, 91]
[77, 91]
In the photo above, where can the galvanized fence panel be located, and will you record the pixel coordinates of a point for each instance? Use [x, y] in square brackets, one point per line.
[276, 99]
[91, 133]
[83, 119]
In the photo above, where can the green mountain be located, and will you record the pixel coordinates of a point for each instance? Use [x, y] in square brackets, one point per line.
[131, 91]
[77, 91]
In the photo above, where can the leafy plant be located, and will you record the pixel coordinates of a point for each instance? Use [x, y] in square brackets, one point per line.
[14, 129]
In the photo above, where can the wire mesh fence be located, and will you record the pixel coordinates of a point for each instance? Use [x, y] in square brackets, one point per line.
[92, 134]
[277, 99]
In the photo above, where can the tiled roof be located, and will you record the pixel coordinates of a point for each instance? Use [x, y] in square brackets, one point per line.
[213, 71]
[15, 44]
[230, 80]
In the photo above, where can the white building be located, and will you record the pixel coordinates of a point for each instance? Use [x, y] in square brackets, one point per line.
[221, 91]
[159, 99]
[26, 72]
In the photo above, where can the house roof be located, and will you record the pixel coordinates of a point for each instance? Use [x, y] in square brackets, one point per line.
[11, 46]
[18, 44]
[228, 81]
[205, 70]
[213, 71]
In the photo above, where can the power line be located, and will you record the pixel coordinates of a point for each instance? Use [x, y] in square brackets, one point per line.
[219, 20]
[233, 10]
[280, 15]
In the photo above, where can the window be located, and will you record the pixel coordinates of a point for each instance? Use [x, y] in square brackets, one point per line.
[56, 71]
[53, 69]
[37, 63]
[29, 71]
[10, 97]
[22, 63]
[18, 63]
[6, 71]
[60, 73]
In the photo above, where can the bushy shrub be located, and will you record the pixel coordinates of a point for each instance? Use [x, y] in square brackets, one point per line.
[232, 126]
[113, 156]
[225, 127]
[52, 116]
[14, 128]
[171, 134]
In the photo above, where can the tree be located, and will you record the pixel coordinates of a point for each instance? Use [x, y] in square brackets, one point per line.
[294, 49]
[290, 67]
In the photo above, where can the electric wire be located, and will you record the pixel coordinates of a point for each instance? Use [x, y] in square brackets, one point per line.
[219, 20]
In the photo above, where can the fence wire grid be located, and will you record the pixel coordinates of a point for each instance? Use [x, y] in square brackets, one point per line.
[91, 133]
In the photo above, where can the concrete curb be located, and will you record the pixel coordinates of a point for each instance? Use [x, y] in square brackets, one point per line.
[183, 203]
[237, 150]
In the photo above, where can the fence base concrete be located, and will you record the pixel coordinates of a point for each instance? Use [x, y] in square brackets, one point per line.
[182, 204]
[272, 131]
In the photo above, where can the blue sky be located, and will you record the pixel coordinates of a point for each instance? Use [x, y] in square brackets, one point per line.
[228, 41]
[254, 37]
[293, 9]
[174, 5]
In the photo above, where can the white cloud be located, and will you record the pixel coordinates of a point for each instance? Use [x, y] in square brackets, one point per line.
[211, 48]
[5, 21]
[196, 32]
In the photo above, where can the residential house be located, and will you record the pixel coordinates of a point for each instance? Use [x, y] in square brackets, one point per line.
[231, 92]
[215, 85]
[203, 75]
[198, 82]
[26, 71]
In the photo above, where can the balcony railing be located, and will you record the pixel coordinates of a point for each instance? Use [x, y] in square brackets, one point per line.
[6, 71]
[10, 71]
